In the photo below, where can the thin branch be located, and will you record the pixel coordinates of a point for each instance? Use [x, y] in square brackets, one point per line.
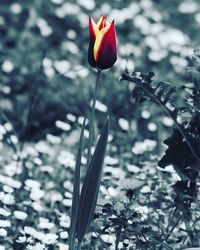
[135, 80]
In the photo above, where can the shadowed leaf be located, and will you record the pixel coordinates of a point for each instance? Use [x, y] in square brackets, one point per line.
[90, 189]
[179, 155]
[76, 190]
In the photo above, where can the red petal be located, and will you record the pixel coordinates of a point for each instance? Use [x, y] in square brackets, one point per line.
[92, 31]
[107, 52]
[103, 23]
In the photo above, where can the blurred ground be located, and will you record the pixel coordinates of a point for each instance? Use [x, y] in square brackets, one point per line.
[46, 85]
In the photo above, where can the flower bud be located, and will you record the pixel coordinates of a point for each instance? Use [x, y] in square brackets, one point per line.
[102, 52]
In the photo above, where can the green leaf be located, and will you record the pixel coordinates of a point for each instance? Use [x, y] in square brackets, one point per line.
[76, 191]
[91, 184]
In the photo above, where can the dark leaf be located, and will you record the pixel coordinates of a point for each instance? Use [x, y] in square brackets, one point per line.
[76, 191]
[179, 155]
[118, 222]
[91, 184]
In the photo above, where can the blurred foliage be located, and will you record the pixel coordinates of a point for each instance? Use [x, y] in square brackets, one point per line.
[46, 86]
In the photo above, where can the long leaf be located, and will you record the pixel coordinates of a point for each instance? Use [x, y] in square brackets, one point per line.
[91, 184]
[76, 191]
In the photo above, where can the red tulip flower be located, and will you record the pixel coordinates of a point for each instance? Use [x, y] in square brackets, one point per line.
[102, 52]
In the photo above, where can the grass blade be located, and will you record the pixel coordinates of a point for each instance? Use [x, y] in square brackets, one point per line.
[91, 184]
[76, 191]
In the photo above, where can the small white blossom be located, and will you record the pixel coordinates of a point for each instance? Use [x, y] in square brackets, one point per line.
[4, 212]
[20, 215]
[50, 239]
[3, 232]
[64, 235]
[5, 223]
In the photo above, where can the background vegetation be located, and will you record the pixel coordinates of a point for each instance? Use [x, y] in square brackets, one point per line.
[46, 86]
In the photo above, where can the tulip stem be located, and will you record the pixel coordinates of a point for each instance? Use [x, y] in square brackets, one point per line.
[79, 245]
[92, 117]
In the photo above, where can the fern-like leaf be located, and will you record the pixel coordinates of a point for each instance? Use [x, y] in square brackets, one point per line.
[162, 94]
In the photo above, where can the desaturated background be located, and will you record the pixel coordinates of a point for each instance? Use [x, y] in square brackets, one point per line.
[43, 55]
[46, 86]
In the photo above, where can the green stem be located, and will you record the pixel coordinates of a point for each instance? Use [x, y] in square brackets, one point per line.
[174, 226]
[118, 233]
[92, 117]
[165, 245]
[172, 229]
[171, 217]
[79, 245]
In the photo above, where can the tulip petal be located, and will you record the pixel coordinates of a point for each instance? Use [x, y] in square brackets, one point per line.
[105, 48]
[98, 41]
[99, 21]
[93, 29]
[102, 22]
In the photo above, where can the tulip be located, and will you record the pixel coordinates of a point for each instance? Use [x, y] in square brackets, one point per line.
[102, 52]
